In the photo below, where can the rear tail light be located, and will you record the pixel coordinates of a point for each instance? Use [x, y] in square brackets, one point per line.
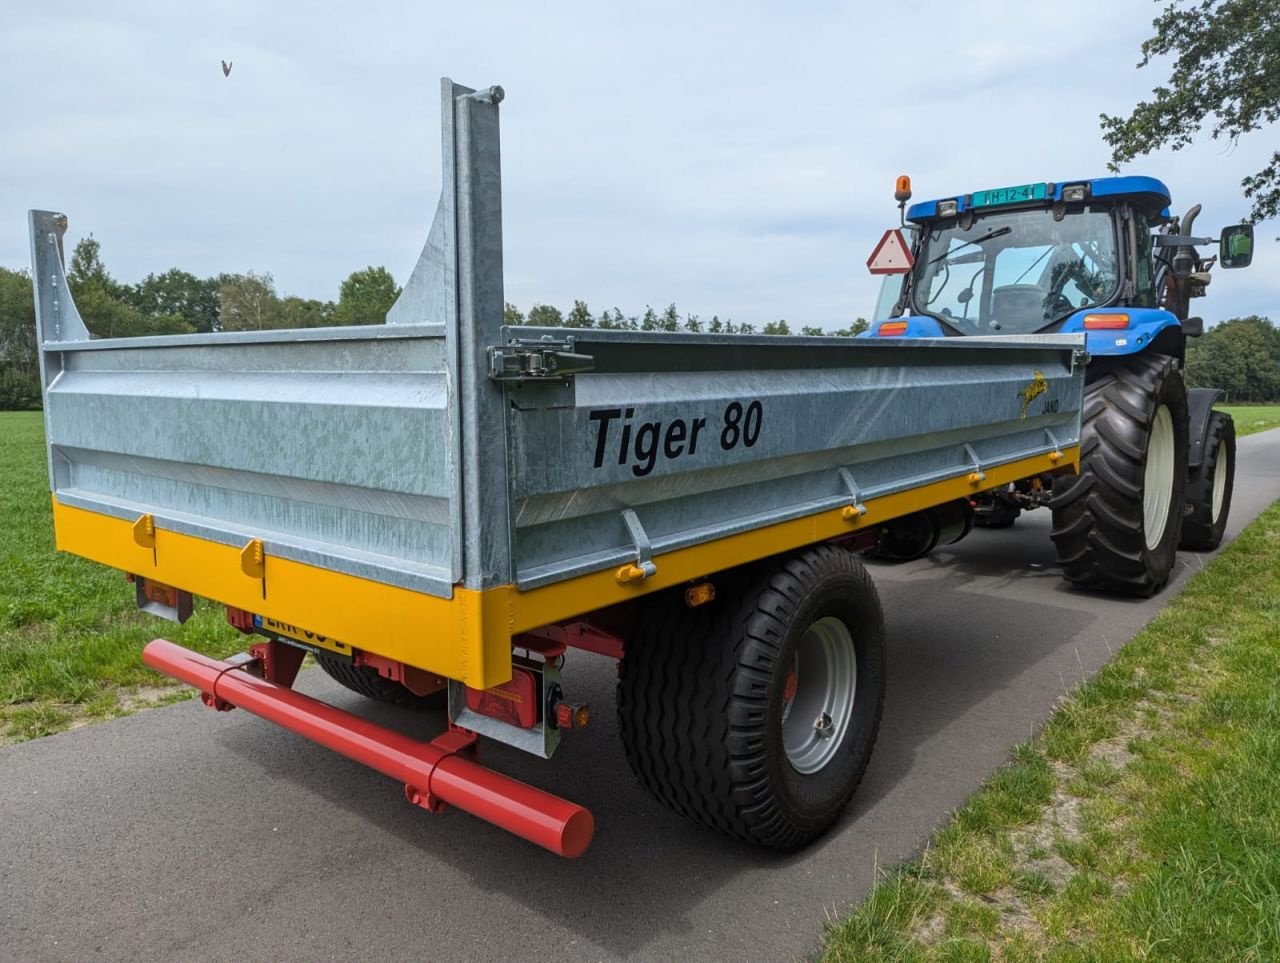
[891, 328]
[1105, 322]
[514, 702]
[572, 715]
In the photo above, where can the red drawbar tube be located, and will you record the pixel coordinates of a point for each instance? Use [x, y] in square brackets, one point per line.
[427, 770]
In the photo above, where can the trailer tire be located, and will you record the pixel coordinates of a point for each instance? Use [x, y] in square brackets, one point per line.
[1209, 487]
[1133, 476]
[704, 696]
[366, 681]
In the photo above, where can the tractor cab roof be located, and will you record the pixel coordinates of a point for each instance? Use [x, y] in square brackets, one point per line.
[1147, 194]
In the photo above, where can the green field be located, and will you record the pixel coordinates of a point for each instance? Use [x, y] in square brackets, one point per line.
[70, 634]
[1253, 418]
[1143, 823]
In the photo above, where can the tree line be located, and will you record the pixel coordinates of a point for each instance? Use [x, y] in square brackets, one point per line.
[1241, 356]
[548, 316]
[175, 302]
[179, 302]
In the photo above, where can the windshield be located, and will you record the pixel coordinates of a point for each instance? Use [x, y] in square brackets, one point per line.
[1016, 272]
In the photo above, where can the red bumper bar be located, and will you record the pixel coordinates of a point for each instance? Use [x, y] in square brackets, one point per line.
[432, 774]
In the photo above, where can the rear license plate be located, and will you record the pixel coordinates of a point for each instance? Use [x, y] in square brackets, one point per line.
[305, 636]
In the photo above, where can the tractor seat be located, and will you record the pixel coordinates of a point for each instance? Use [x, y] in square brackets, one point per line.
[1017, 301]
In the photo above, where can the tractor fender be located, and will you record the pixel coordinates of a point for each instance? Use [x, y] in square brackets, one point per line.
[1199, 406]
[1146, 325]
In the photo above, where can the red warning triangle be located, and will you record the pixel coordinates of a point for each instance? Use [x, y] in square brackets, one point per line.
[891, 256]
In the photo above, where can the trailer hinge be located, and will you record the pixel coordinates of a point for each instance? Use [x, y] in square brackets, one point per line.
[977, 476]
[643, 567]
[1055, 456]
[855, 509]
[537, 360]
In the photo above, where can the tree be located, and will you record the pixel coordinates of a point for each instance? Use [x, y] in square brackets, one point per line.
[1240, 356]
[716, 326]
[88, 270]
[811, 331]
[777, 327]
[176, 293]
[248, 302]
[618, 322]
[859, 325]
[100, 299]
[580, 316]
[1225, 74]
[545, 316]
[692, 324]
[365, 297]
[296, 312]
[650, 320]
[511, 314]
[19, 358]
[670, 320]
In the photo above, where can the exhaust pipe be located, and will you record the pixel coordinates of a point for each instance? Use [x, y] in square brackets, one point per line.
[433, 774]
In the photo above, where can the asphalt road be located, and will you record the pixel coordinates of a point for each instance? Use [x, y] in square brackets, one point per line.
[180, 834]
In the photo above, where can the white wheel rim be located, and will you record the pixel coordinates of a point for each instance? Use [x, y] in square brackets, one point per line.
[816, 717]
[1220, 471]
[1157, 482]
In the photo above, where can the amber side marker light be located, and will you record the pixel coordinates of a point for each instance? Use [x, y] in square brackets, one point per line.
[699, 594]
[890, 328]
[571, 716]
[1105, 322]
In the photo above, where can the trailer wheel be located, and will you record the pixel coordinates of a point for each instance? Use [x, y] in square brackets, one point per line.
[1116, 524]
[1209, 487]
[755, 714]
[366, 681]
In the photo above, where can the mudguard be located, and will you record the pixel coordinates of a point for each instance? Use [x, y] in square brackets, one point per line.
[1199, 406]
[1145, 325]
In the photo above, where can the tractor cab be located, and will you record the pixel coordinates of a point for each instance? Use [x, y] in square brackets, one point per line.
[1103, 256]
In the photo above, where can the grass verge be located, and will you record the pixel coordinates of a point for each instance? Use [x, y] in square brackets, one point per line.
[1142, 823]
[1253, 418]
[70, 635]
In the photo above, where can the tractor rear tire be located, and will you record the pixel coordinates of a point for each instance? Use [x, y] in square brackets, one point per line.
[755, 714]
[366, 681]
[1116, 525]
[1209, 487]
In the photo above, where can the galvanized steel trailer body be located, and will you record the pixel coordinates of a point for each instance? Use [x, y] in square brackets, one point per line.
[428, 490]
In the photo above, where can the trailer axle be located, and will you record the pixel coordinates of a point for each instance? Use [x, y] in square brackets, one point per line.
[434, 774]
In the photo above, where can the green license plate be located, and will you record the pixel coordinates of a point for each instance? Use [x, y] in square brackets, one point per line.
[1009, 195]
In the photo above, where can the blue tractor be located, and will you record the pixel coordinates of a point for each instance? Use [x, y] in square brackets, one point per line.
[1104, 257]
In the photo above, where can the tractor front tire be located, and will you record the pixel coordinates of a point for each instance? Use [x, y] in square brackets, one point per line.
[755, 714]
[1209, 487]
[1116, 525]
[366, 681]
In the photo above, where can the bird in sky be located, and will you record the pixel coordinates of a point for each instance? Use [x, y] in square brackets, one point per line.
[226, 69]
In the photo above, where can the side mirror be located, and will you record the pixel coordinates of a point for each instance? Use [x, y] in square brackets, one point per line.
[1236, 246]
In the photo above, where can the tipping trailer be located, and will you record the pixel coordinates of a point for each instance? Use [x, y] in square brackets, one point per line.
[443, 509]
[1105, 258]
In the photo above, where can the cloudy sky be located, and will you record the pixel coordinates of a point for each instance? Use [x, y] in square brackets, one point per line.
[736, 158]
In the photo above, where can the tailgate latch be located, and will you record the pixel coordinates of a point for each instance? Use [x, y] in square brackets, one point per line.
[541, 360]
